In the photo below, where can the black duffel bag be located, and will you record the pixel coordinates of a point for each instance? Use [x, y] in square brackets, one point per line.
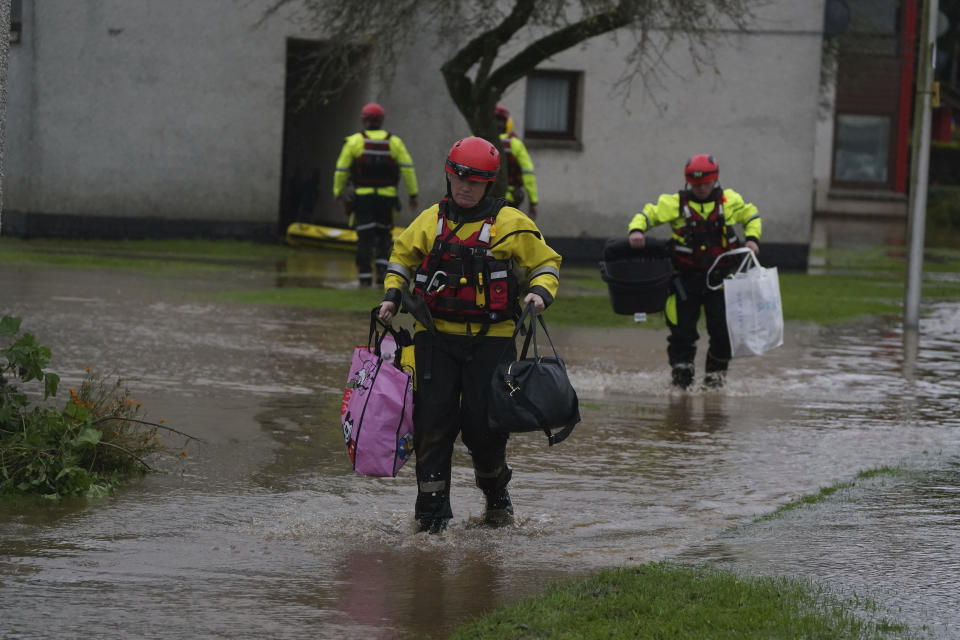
[533, 394]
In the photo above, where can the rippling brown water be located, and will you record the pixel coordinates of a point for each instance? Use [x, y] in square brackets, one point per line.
[265, 531]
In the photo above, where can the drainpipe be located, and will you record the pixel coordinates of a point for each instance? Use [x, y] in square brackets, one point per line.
[920, 165]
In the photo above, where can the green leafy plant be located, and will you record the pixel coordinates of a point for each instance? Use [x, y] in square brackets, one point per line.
[99, 438]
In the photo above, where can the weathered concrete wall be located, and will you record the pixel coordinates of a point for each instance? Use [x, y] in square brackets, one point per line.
[175, 110]
[138, 108]
[758, 117]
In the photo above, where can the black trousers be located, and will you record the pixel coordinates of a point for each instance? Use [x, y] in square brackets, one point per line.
[453, 390]
[373, 220]
[692, 294]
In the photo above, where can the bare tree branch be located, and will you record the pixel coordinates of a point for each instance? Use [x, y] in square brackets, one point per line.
[369, 36]
[126, 451]
[151, 424]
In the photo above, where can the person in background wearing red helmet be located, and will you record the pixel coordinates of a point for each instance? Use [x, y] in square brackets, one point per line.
[701, 217]
[461, 259]
[521, 180]
[373, 160]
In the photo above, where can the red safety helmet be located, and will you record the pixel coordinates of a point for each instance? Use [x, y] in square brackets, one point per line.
[474, 159]
[372, 111]
[501, 111]
[701, 169]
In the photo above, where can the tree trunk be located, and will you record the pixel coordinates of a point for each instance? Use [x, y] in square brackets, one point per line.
[4, 53]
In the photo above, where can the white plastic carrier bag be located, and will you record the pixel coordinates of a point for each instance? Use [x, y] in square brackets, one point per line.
[754, 312]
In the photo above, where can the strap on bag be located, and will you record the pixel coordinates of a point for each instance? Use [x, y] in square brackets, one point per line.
[528, 312]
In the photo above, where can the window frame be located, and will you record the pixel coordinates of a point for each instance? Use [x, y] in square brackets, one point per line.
[16, 21]
[574, 109]
[888, 160]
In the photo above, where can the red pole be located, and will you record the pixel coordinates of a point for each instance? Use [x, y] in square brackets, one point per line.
[907, 58]
[942, 124]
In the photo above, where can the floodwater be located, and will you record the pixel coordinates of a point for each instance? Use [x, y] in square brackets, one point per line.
[265, 531]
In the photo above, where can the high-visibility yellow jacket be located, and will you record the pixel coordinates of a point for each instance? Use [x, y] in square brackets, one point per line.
[353, 147]
[513, 146]
[514, 237]
[667, 209]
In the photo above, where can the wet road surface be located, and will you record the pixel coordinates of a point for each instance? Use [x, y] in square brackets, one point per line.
[264, 530]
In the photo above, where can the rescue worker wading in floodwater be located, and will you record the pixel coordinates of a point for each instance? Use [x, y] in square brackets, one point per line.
[702, 218]
[461, 258]
[373, 160]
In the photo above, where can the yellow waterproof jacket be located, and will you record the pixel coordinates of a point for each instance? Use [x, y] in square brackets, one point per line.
[667, 209]
[353, 147]
[519, 152]
[514, 237]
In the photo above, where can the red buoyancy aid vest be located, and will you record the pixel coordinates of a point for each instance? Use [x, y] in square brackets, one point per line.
[514, 173]
[375, 166]
[704, 238]
[460, 280]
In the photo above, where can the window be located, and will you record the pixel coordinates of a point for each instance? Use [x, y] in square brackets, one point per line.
[16, 20]
[553, 105]
[862, 146]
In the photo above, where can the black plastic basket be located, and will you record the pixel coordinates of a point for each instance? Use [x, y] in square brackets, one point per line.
[638, 280]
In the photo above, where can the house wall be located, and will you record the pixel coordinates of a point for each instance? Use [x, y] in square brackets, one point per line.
[130, 109]
[757, 116]
[134, 108]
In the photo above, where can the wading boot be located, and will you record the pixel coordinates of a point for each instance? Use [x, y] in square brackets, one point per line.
[499, 511]
[432, 510]
[432, 525]
[682, 376]
[714, 379]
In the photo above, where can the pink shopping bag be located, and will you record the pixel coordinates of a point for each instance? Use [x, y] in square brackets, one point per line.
[377, 410]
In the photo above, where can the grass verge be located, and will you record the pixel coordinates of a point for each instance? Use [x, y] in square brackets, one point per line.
[846, 284]
[667, 600]
[826, 492]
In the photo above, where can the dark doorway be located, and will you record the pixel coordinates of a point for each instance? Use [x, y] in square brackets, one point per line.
[314, 127]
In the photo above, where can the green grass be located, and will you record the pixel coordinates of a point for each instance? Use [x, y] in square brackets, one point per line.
[313, 298]
[666, 600]
[583, 299]
[851, 283]
[825, 492]
[143, 255]
[232, 250]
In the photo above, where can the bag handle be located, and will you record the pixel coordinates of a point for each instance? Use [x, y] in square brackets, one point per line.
[528, 312]
[750, 259]
[376, 337]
